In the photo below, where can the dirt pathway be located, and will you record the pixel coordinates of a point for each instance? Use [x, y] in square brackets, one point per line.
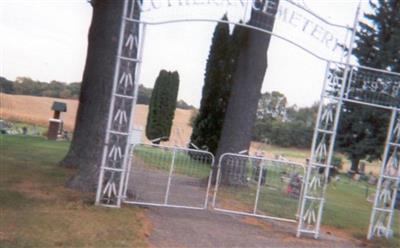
[173, 227]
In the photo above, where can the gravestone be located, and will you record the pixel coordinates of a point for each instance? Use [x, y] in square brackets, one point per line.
[56, 123]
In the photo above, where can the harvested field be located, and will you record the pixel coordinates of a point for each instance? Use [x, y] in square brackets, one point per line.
[37, 110]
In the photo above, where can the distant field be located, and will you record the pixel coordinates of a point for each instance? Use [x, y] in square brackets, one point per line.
[37, 110]
[34, 110]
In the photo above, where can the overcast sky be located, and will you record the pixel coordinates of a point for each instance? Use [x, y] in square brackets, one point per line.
[47, 40]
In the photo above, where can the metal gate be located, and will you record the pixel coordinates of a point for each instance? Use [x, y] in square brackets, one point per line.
[346, 79]
[258, 186]
[168, 176]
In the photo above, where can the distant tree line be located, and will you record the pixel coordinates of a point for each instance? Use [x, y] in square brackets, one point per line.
[284, 126]
[28, 86]
[279, 124]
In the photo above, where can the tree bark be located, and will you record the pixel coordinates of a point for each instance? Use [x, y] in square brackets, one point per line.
[94, 100]
[354, 164]
[247, 83]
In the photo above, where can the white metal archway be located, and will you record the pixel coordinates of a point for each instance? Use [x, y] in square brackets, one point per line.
[118, 145]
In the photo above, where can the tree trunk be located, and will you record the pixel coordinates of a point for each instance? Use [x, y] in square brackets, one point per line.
[354, 164]
[246, 89]
[94, 100]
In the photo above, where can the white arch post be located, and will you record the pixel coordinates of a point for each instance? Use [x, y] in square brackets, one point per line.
[323, 143]
[389, 179]
[116, 151]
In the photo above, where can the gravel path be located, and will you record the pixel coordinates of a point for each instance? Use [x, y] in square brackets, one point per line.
[193, 228]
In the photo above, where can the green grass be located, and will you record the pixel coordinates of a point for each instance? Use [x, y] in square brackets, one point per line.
[292, 153]
[346, 208]
[274, 199]
[36, 210]
[160, 159]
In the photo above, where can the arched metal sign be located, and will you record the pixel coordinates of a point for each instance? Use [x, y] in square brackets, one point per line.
[341, 78]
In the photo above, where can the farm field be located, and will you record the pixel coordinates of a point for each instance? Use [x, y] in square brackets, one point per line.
[37, 110]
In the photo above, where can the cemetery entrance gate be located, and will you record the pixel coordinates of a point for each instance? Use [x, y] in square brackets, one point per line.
[343, 84]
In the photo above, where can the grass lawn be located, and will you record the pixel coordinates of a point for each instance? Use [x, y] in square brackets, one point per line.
[347, 209]
[197, 166]
[36, 210]
[274, 199]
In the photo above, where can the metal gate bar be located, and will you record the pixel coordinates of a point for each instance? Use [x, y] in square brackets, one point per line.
[169, 177]
[245, 182]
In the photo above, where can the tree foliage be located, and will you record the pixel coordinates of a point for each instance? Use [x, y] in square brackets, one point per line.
[6, 86]
[216, 90]
[362, 129]
[144, 95]
[162, 105]
[27, 86]
[362, 133]
[284, 126]
[271, 105]
[378, 41]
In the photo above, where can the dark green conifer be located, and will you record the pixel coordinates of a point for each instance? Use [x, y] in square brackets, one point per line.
[362, 130]
[162, 106]
[216, 90]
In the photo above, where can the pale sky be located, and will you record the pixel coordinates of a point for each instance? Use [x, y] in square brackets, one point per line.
[47, 40]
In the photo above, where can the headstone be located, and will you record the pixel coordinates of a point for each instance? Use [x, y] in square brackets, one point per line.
[4, 129]
[294, 187]
[256, 173]
[54, 128]
[56, 124]
[136, 136]
[362, 168]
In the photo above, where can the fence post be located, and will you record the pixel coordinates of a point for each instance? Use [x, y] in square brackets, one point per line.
[217, 181]
[171, 169]
[261, 167]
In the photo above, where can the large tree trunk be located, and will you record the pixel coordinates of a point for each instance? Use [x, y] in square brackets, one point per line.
[246, 89]
[94, 101]
[354, 164]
